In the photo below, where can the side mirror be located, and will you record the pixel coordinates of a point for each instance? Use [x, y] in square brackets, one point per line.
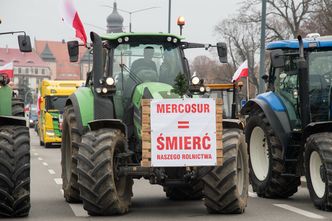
[73, 50]
[277, 58]
[24, 43]
[222, 52]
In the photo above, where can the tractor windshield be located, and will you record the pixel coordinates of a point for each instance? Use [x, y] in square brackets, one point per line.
[147, 63]
[55, 103]
[320, 82]
[320, 86]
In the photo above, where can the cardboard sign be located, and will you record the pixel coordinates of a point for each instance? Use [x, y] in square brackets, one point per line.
[183, 132]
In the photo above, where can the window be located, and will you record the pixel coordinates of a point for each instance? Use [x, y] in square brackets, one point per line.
[19, 70]
[26, 70]
[36, 70]
[43, 71]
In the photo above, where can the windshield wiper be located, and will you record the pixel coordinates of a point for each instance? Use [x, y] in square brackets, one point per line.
[132, 75]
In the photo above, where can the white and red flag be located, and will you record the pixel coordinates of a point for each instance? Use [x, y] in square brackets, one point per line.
[70, 16]
[8, 69]
[242, 71]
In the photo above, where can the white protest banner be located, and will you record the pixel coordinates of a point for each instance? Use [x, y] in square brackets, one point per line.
[183, 132]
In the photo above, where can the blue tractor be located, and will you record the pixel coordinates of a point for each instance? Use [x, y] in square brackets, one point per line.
[289, 128]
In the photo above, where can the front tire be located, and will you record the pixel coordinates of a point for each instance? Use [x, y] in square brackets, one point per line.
[69, 151]
[103, 191]
[14, 171]
[226, 186]
[318, 169]
[266, 161]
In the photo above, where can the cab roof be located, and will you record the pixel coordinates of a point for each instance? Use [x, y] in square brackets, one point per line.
[115, 36]
[319, 42]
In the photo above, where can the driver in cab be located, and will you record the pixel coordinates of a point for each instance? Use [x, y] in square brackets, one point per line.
[144, 68]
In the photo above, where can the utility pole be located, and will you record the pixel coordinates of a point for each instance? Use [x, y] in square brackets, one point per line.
[169, 15]
[262, 50]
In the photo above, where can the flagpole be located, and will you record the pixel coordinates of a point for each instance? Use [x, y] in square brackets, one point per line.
[248, 91]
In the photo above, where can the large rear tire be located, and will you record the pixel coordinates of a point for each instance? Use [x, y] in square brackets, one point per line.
[17, 107]
[103, 192]
[69, 151]
[226, 186]
[266, 161]
[318, 169]
[14, 171]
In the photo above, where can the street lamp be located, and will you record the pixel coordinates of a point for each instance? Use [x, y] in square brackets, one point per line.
[169, 15]
[132, 12]
[262, 49]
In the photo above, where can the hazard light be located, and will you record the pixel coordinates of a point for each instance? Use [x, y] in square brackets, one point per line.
[181, 21]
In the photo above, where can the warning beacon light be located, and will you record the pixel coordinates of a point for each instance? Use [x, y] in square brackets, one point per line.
[181, 22]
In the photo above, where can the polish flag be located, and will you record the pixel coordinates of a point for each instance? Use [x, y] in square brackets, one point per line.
[70, 16]
[8, 69]
[39, 99]
[242, 71]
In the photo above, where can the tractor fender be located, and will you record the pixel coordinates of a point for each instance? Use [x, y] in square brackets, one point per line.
[316, 127]
[277, 118]
[108, 123]
[232, 123]
[90, 106]
[19, 121]
[83, 103]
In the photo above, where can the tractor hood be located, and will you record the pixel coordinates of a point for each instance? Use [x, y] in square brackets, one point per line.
[151, 90]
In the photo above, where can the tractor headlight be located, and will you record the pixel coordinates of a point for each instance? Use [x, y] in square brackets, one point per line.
[104, 90]
[195, 80]
[110, 81]
[98, 90]
[202, 89]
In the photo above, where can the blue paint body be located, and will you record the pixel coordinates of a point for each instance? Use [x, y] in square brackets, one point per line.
[273, 101]
[321, 42]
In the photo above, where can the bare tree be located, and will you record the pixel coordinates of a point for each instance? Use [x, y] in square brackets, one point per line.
[211, 71]
[284, 18]
[320, 19]
[243, 41]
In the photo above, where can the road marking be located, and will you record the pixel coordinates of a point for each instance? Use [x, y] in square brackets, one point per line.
[58, 181]
[78, 210]
[36, 154]
[251, 194]
[39, 158]
[51, 171]
[45, 164]
[300, 211]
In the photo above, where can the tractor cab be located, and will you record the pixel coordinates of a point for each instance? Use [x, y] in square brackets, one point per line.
[132, 66]
[284, 78]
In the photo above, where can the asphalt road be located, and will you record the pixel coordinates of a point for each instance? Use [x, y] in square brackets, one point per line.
[149, 201]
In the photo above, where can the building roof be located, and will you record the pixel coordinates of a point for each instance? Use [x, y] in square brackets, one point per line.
[47, 55]
[114, 21]
[64, 68]
[20, 59]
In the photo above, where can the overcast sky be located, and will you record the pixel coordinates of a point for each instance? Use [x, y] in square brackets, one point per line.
[41, 19]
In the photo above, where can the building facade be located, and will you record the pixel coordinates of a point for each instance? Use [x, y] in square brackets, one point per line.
[29, 70]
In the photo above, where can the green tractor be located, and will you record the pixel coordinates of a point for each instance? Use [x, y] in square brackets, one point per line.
[104, 128]
[14, 148]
